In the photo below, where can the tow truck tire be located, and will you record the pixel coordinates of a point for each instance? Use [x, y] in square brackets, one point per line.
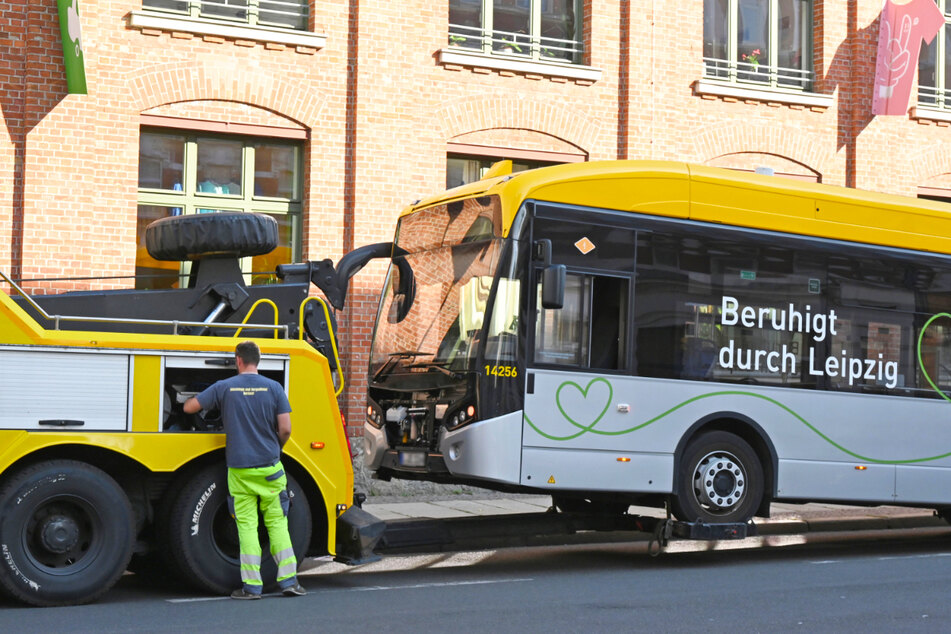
[224, 233]
[66, 533]
[202, 537]
[720, 479]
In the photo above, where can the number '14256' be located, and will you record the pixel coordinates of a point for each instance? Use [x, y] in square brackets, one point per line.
[500, 370]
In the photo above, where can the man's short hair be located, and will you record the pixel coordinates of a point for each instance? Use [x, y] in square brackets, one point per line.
[248, 352]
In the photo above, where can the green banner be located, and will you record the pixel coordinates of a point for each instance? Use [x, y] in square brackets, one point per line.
[72, 46]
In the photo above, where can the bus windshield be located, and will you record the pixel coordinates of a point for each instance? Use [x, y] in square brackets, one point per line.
[453, 250]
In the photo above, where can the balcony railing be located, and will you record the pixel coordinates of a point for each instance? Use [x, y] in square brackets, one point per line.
[292, 14]
[532, 47]
[932, 97]
[753, 75]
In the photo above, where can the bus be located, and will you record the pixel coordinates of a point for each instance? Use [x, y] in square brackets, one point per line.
[659, 333]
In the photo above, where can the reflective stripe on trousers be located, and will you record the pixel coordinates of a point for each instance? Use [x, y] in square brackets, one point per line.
[267, 487]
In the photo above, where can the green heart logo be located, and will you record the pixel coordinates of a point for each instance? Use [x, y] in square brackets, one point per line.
[594, 404]
[930, 348]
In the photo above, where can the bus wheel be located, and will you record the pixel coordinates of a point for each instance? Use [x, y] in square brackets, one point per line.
[720, 480]
[66, 533]
[203, 539]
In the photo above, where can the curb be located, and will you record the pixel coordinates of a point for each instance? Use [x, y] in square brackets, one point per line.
[481, 532]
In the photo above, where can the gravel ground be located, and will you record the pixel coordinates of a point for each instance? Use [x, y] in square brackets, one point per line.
[380, 492]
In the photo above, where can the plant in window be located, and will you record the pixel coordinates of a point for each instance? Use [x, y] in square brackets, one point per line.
[456, 40]
[510, 46]
[753, 58]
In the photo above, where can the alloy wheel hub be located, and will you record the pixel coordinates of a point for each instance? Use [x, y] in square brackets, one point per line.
[719, 481]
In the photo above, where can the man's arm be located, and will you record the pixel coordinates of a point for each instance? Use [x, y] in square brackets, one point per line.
[283, 428]
[192, 406]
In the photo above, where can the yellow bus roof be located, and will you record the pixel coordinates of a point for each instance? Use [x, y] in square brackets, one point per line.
[716, 195]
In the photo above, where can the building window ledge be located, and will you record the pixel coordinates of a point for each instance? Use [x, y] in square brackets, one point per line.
[930, 114]
[229, 30]
[477, 59]
[791, 97]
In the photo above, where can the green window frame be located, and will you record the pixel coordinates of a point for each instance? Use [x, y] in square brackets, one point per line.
[292, 14]
[540, 30]
[934, 66]
[765, 43]
[183, 173]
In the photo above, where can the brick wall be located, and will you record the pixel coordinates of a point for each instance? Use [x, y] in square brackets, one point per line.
[380, 110]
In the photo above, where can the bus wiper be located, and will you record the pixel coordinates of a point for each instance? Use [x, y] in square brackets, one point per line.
[408, 354]
[455, 376]
[396, 356]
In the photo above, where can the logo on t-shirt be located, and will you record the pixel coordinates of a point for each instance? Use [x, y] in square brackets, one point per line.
[248, 391]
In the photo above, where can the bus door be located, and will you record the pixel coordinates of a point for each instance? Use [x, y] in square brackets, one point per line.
[579, 354]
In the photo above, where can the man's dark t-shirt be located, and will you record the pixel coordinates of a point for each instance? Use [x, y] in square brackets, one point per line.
[249, 404]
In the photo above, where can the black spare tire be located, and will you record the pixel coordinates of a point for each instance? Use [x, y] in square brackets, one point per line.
[224, 233]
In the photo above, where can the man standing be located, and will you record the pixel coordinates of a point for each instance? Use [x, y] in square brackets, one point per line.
[257, 422]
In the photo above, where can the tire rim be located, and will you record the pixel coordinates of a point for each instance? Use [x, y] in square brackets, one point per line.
[64, 535]
[225, 534]
[719, 482]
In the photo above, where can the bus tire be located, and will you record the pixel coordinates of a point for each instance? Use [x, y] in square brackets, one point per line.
[720, 480]
[202, 537]
[66, 533]
[224, 233]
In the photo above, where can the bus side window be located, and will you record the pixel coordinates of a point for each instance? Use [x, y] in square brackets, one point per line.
[589, 331]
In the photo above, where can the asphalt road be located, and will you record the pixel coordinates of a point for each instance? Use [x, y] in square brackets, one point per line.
[874, 581]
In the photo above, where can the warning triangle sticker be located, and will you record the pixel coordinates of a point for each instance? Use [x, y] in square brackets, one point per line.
[551, 479]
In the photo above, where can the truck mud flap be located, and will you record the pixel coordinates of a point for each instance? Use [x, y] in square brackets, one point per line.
[357, 535]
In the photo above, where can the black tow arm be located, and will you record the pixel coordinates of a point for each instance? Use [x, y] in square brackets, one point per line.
[333, 281]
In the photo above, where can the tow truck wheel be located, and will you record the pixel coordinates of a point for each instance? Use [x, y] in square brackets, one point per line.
[202, 537]
[66, 532]
[230, 233]
[720, 480]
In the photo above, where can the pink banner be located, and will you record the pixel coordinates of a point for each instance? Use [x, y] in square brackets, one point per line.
[904, 24]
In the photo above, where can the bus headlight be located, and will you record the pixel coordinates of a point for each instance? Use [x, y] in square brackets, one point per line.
[374, 417]
[459, 417]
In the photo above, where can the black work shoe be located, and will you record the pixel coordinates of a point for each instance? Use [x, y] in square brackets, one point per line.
[296, 590]
[244, 595]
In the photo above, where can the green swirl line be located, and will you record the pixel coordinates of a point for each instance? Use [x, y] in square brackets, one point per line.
[921, 363]
[584, 429]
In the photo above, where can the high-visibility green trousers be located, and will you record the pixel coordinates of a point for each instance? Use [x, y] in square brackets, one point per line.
[267, 487]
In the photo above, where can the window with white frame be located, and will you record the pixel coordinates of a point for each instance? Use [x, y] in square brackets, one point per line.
[533, 29]
[185, 173]
[764, 43]
[934, 66]
[292, 14]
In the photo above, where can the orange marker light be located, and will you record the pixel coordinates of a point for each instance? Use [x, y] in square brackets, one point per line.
[623, 459]
[470, 411]
[860, 467]
[316, 445]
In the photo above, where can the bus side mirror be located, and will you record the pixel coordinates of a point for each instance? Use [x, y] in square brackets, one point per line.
[405, 292]
[553, 286]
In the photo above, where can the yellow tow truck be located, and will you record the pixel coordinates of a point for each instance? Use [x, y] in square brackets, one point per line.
[99, 465]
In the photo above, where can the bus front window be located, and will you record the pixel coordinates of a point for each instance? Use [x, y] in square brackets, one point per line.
[453, 252]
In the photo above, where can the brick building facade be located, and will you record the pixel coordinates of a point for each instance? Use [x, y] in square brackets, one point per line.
[362, 105]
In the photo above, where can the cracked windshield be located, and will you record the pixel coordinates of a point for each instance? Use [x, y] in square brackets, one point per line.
[429, 324]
